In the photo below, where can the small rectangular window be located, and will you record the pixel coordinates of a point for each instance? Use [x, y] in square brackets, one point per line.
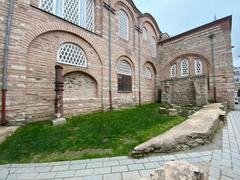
[124, 83]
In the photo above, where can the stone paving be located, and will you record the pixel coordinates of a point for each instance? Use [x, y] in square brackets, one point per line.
[223, 163]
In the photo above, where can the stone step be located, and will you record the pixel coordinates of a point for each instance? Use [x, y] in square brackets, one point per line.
[7, 131]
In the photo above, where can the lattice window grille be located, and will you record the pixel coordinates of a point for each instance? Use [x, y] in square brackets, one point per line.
[153, 47]
[124, 68]
[90, 15]
[198, 67]
[184, 67]
[72, 54]
[48, 5]
[123, 24]
[173, 71]
[145, 34]
[147, 73]
[71, 11]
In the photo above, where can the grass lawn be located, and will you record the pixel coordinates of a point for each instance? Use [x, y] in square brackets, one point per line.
[103, 134]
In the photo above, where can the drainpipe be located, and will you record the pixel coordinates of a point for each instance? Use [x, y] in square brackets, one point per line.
[5, 61]
[110, 55]
[211, 36]
[139, 63]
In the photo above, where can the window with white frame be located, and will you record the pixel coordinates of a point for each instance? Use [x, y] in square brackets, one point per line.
[145, 34]
[90, 15]
[147, 73]
[184, 67]
[48, 5]
[124, 75]
[173, 71]
[153, 47]
[123, 25]
[71, 54]
[79, 12]
[198, 67]
[71, 11]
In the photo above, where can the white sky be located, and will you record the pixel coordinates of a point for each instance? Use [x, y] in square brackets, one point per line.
[177, 16]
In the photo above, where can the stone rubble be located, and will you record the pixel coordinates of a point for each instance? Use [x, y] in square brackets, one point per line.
[177, 170]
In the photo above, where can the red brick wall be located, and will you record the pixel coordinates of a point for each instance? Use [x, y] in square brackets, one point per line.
[36, 36]
[35, 39]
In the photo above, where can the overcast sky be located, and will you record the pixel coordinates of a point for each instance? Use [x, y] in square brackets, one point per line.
[177, 16]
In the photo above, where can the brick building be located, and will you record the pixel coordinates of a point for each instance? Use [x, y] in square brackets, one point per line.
[236, 75]
[112, 56]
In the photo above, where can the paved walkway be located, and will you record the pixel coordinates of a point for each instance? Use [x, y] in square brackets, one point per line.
[223, 163]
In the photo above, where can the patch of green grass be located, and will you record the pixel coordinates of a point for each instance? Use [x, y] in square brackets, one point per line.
[102, 134]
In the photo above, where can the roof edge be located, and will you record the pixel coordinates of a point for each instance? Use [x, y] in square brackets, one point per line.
[134, 6]
[200, 28]
[153, 20]
[145, 15]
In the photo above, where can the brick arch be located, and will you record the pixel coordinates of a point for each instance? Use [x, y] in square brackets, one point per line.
[166, 68]
[40, 72]
[148, 86]
[80, 93]
[97, 80]
[55, 27]
[147, 21]
[121, 5]
[148, 17]
[67, 74]
[126, 58]
[152, 64]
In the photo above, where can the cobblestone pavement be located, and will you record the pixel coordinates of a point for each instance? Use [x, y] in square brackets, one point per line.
[223, 163]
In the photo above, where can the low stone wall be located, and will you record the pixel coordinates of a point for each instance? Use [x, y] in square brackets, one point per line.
[185, 91]
[197, 130]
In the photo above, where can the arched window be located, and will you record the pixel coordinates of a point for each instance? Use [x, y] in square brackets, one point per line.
[123, 25]
[173, 71]
[198, 67]
[184, 67]
[147, 73]
[153, 46]
[90, 15]
[145, 34]
[71, 54]
[79, 12]
[124, 74]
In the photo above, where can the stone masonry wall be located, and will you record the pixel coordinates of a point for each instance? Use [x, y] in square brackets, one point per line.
[197, 42]
[80, 94]
[185, 91]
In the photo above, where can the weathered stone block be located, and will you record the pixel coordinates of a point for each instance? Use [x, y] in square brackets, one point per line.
[59, 121]
[172, 112]
[163, 110]
[176, 170]
[178, 108]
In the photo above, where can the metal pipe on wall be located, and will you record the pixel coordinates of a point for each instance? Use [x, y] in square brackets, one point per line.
[139, 63]
[110, 55]
[5, 61]
[211, 36]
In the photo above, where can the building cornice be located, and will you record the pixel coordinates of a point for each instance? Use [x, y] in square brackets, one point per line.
[200, 28]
